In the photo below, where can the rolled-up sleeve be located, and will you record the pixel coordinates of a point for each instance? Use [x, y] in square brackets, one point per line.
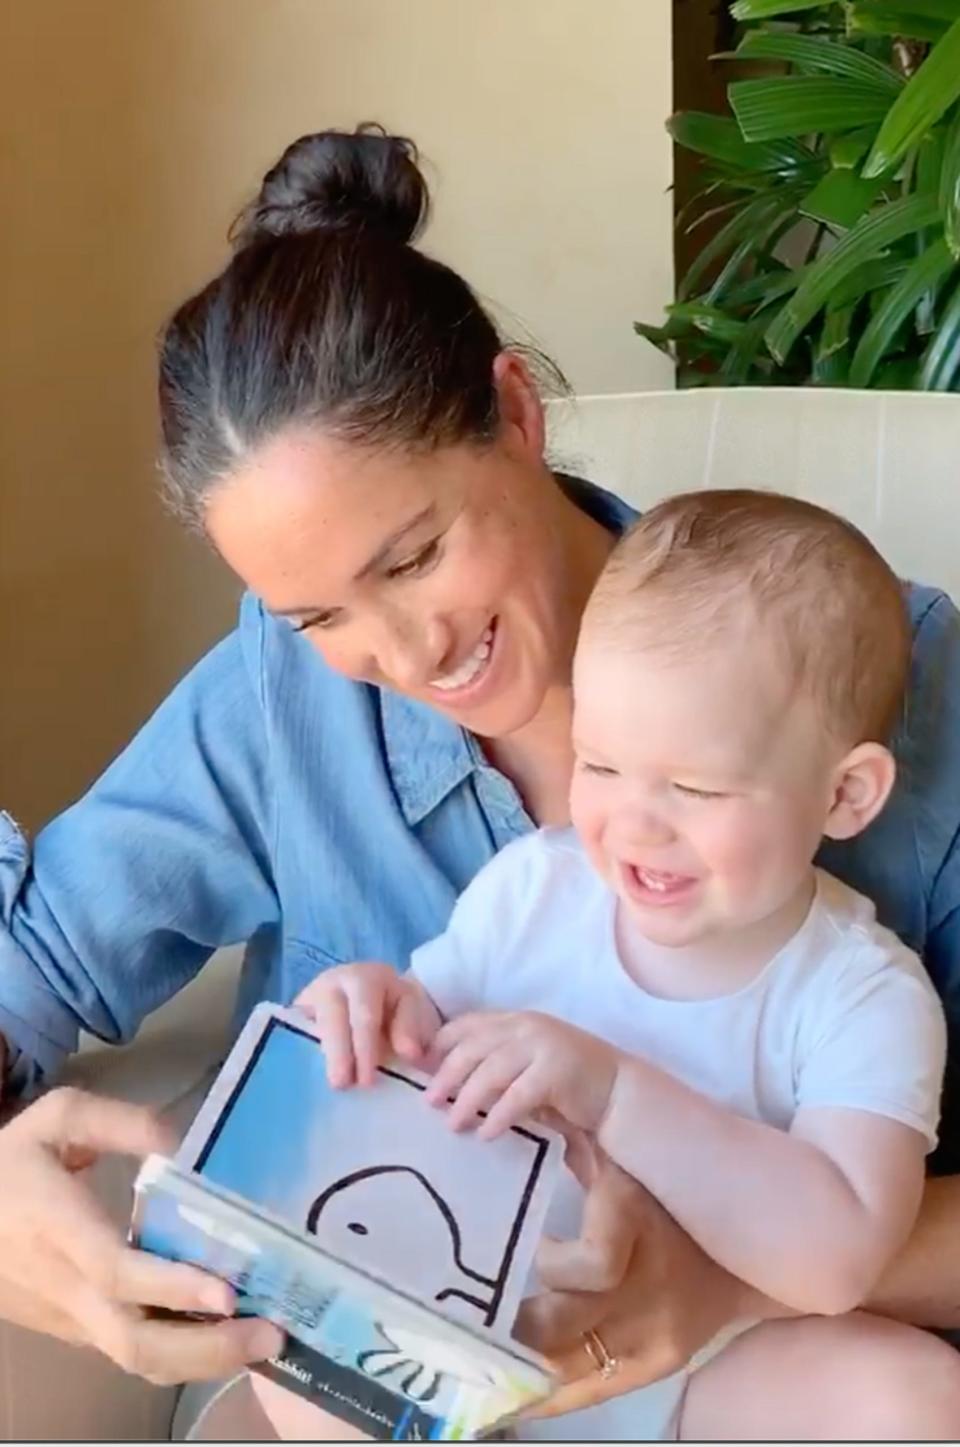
[124, 896]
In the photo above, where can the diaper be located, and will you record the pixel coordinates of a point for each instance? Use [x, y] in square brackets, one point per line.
[648, 1414]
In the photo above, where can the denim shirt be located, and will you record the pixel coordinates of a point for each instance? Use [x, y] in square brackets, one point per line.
[272, 801]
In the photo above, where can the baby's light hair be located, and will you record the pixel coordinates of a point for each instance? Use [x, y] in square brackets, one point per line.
[705, 565]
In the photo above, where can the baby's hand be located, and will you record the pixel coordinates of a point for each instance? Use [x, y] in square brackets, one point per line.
[512, 1064]
[365, 1012]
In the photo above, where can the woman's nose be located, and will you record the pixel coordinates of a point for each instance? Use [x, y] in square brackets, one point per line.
[410, 652]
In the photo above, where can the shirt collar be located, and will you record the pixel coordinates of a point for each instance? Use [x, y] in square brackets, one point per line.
[428, 755]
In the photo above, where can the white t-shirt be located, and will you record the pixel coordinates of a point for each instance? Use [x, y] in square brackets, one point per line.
[843, 1015]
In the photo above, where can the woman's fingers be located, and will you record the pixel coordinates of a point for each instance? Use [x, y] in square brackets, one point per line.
[64, 1267]
[581, 1385]
[169, 1352]
[144, 1280]
[75, 1124]
[553, 1321]
[599, 1259]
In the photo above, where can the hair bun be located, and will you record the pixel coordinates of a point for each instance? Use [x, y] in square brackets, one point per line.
[364, 180]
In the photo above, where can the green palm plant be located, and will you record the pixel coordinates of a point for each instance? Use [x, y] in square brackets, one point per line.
[834, 191]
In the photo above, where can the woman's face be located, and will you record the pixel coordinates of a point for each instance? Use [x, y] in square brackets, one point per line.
[444, 575]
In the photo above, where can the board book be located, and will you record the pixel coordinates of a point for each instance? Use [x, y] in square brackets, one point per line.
[393, 1251]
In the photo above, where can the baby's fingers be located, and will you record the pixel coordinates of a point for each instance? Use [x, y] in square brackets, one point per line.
[413, 1026]
[365, 1005]
[329, 1011]
[454, 1069]
[510, 1103]
[482, 1092]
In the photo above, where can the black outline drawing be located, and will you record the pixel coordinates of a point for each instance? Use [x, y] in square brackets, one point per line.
[395, 1360]
[540, 1147]
[452, 1225]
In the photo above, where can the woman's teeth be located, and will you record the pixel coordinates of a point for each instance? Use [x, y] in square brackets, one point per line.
[469, 668]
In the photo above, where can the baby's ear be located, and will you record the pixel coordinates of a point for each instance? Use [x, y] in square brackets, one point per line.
[862, 785]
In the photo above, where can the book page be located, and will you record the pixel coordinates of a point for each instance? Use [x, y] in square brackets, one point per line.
[375, 1175]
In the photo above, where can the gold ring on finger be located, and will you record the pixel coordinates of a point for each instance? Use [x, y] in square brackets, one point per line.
[603, 1361]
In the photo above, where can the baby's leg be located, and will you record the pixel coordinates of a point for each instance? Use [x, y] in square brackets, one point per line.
[818, 1379]
[294, 1419]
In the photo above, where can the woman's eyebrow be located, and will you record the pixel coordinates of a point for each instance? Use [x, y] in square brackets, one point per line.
[370, 566]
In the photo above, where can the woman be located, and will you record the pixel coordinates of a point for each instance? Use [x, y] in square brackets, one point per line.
[342, 420]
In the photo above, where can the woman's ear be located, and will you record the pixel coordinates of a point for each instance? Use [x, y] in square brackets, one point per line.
[522, 423]
[862, 785]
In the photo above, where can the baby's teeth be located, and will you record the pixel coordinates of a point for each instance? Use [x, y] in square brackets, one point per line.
[651, 882]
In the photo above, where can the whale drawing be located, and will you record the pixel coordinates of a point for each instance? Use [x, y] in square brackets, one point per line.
[390, 1215]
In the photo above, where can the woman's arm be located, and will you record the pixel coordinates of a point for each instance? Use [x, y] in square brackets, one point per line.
[671, 1299]
[922, 1284]
[126, 894]
[655, 1304]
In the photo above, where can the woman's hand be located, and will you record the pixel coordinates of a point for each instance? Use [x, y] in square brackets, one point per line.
[635, 1278]
[64, 1267]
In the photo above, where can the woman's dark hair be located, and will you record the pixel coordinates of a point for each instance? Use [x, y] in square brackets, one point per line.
[326, 313]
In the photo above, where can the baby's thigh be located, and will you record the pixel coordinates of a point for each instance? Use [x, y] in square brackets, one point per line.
[294, 1419]
[845, 1378]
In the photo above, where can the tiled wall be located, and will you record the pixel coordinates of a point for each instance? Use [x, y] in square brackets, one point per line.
[888, 461]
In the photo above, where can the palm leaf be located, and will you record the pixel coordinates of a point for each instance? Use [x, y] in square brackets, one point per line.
[812, 54]
[848, 150]
[868, 239]
[867, 278]
[763, 9]
[781, 106]
[840, 198]
[719, 138]
[915, 20]
[745, 351]
[765, 288]
[941, 360]
[928, 95]
[950, 187]
[752, 218]
[830, 355]
[923, 276]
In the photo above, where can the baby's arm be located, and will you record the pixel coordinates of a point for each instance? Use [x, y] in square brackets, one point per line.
[809, 1217]
[366, 1012]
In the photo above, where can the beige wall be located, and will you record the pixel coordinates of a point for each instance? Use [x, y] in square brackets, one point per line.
[136, 129]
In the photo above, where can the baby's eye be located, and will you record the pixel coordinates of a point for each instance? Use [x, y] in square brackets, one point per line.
[692, 793]
[602, 771]
[418, 563]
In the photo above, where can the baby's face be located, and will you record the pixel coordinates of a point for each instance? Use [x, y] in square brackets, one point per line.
[702, 784]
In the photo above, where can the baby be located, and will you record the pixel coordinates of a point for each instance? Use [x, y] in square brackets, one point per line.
[674, 975]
